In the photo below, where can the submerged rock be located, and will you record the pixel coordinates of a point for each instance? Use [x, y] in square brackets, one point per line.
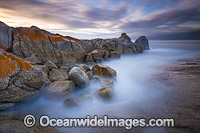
[104, 71]
[105, 93]
[79, 77]
[70, 102]
[85, 97]
[107, 83]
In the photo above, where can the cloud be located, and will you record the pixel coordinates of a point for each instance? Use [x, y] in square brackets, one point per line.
[169, 21]
[104, 17]
[99, 14]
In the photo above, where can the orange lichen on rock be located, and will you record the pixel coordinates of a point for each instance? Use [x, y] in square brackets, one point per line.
[72, 38]
[8, 66]
[56, 38]
[31, 34]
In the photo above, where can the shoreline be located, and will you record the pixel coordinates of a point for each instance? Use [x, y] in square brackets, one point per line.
[182, 101]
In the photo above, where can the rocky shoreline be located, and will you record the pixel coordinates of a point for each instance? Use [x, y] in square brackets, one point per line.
[31, 58]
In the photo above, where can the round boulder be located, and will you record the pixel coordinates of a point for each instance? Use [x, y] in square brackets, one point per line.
[79, 77]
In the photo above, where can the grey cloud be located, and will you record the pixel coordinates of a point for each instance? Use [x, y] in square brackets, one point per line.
[99, 14]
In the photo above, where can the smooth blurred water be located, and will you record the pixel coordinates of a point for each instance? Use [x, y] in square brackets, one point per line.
[134, 84]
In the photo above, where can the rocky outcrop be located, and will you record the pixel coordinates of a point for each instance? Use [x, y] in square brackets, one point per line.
[19, 80]
[143, 41]
[39, 46]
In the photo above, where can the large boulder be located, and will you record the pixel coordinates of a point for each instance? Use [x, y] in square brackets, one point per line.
[104, 71]
[46, 46]
[143, 41]
[19, 80]
[60, 88]
[79, 77]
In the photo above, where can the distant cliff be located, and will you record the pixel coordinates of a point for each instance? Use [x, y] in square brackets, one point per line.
[37, 44]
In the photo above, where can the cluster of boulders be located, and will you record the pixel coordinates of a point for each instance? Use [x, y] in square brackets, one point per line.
[30, 56]
[60, 81]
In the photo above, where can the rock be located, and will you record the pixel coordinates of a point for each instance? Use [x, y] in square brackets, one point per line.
[96, 78]
[84, 67]
[114, 54]
[70, 102]
[143, 41]
[65, 69]
[107, 83]
[44, 68]
[89, 74]
[10, 124]
[19, 80]
[51, 65]
[45, 79]
[89, 58]
[104, 71]
[60, 88]
[56, 75]
[97, 55]
[105, 93]
[47, 46]
[125, 36]
[79, 77]
[85, 97]
[5, 36]
[33, 59]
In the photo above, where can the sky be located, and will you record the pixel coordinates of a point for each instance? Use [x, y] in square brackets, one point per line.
[87, 19]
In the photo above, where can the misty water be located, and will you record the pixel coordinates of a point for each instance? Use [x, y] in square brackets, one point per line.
[135, 84]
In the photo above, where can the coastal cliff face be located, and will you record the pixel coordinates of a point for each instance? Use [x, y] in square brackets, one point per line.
[43, 45]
